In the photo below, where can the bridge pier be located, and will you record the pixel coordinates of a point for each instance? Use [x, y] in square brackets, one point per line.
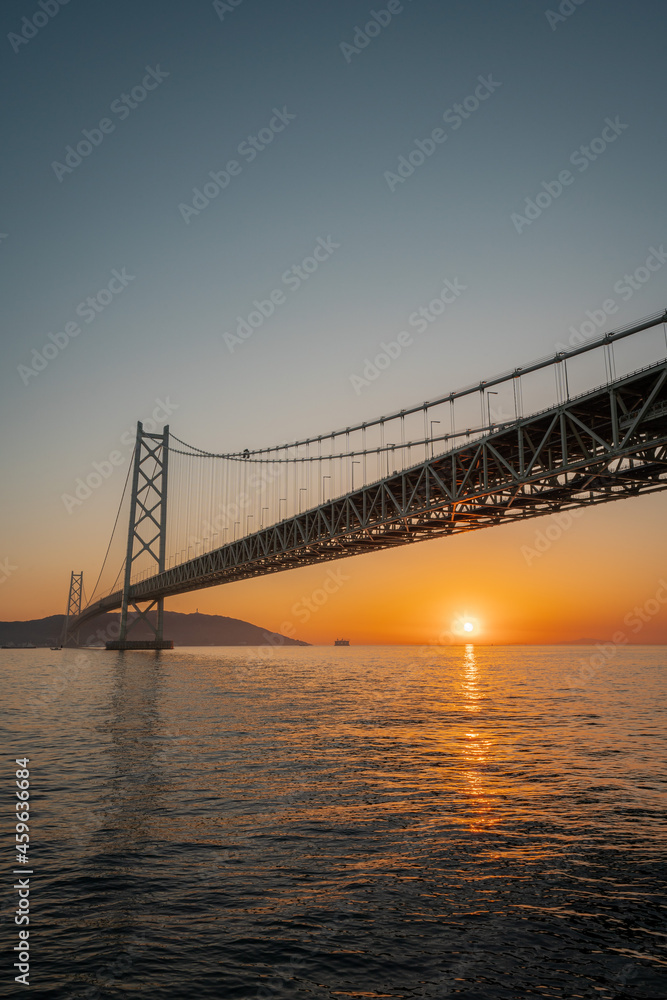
[140, 644]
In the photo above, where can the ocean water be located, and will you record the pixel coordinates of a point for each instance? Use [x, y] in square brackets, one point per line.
[472, 822]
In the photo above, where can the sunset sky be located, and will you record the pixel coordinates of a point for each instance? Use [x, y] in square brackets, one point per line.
[319, 127]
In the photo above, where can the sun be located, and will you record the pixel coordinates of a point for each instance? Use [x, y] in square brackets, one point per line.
[465, 627]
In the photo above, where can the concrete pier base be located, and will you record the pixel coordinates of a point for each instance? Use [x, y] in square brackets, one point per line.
[141, 644]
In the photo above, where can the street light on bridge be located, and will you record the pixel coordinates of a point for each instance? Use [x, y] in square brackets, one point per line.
[431, 435]
[489, 393]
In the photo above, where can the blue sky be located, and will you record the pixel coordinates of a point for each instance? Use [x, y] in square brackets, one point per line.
[220, 76]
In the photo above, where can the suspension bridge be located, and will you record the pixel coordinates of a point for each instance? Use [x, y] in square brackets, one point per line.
[584, 426]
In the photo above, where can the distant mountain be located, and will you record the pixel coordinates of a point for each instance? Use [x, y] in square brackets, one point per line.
[185, 630]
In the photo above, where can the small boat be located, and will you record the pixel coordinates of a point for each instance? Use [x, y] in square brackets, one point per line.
[341, 642]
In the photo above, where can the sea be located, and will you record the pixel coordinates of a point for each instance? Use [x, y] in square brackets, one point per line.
[477, 822]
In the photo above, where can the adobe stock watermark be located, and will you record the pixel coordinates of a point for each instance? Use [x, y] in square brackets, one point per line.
[98, 817]
[249, 149]
[566, 9]
[545, 539]
[223, 7]
[363, 36]
[455, 117]
[122, 108]
[108, 976]
[30, 26]
[227, 515]
[635, 620]
[68, 672]
[292, 279]
[419, 321]
[625, 289]
[580, 158]
[286, 973]
[88, 310]
[6, 570]
[306, 607]
[303, 610]
[472, 956]
[85, 485]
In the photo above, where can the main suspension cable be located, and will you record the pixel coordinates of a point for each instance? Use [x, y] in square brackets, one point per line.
[113, 530]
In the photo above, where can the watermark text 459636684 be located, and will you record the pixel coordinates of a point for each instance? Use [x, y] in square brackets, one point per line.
[22, 885]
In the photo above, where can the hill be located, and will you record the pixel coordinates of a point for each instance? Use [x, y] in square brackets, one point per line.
[185, 630]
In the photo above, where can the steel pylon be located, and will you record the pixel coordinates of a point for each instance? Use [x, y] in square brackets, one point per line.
[146, 534]
[73, 606]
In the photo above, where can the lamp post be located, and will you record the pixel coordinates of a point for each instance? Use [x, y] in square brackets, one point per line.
[489, 393]
[392, 445]
[433, 422]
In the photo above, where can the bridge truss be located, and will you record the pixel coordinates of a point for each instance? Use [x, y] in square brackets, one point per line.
[606, 444]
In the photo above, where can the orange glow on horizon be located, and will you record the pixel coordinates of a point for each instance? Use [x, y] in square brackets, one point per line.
[602, 577]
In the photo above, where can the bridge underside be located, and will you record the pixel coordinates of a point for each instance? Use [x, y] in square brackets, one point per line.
[606, 445]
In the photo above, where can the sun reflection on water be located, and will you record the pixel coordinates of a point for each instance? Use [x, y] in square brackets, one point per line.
[470, 680]
[476, 748]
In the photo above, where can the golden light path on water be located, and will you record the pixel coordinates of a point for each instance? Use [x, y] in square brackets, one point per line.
[476, 749]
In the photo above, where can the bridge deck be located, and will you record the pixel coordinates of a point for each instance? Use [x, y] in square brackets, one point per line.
[604, 445]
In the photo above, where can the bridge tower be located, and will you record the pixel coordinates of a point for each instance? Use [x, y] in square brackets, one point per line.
[147, 533]
[73, 607]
